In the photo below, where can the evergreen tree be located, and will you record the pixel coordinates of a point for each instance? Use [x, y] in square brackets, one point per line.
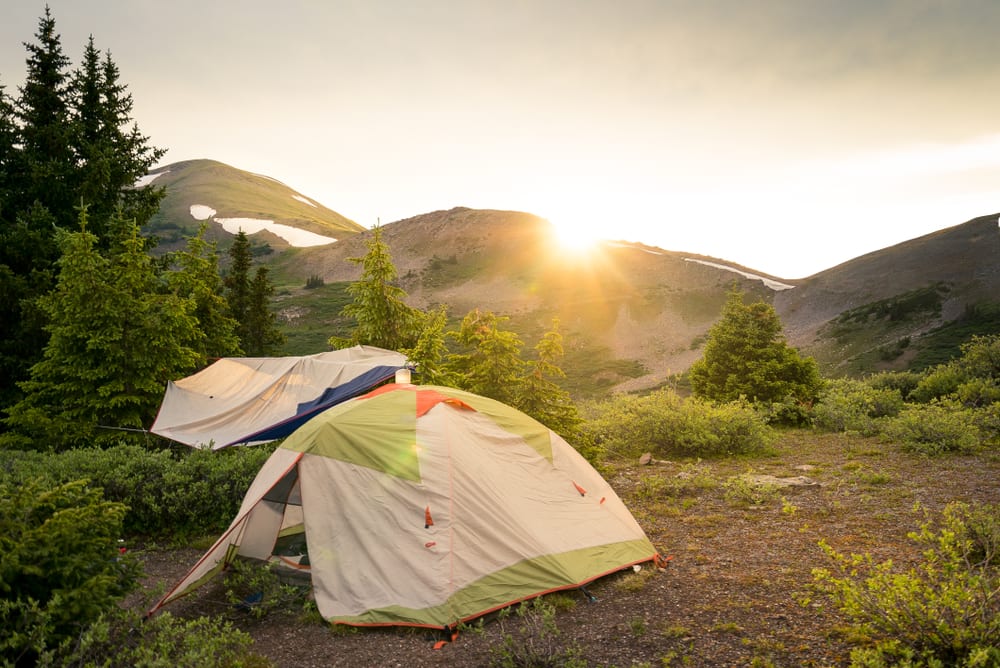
[428, 354]
[262, 336]
[747, 356]
[43, 114]
[9, 158]
[195, 275]
[541, 397]
[65, 142]
[492, 365]
[237, 281]
[111, 155]
[382, 317]
[115, 341]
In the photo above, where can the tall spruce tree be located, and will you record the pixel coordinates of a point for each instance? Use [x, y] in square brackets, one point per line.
[491, 364]
[250, 301]
[65, 142]
[115, 341]
[194, 274]
[540, 395]
[9, 157]
[429, 352]
[237, 280]
[43, 114]
[111, 152]
[263, 337]
[381, 315]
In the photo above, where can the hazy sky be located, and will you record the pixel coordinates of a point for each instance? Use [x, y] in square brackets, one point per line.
[788, 136]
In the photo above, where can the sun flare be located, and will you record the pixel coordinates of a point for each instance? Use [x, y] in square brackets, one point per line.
[575, 239]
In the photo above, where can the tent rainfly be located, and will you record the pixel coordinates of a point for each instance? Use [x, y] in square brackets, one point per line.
[427, 506]
[246, 400]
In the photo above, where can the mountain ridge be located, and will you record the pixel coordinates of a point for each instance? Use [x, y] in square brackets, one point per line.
[633, 306]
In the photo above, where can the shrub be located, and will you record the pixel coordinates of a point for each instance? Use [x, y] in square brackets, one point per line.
[667, 425]
[123, 639]
[933, 429]
[939, 382]
[314, 281]
[533, 640]
[169, 493]
[987, 420]
[60, 568]
[943, 611]
[256, 588]
[903, 381]
[854, 406]
[978, 392]
[747, 490]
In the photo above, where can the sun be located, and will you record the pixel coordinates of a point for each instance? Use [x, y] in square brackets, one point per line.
[575, 238]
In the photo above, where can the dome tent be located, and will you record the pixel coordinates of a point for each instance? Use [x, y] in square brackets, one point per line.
[429, 506]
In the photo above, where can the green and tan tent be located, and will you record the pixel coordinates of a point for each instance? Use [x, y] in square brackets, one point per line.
[428, 506]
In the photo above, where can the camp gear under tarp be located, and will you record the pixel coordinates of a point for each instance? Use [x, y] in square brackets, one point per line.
[428, 506]
[245, 400]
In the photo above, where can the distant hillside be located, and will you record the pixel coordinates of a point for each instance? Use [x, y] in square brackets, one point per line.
[206, 190]
[633, 316]
[895, 307]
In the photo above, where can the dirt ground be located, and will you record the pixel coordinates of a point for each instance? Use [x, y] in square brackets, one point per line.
[733, 591]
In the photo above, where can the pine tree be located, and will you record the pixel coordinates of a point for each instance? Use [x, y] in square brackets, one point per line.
[492, 365]
[382, 317]
[9, 158]
[746, 356]
[115, 341]
[430, 350]
[44, 117]
[111, 155]
[237, 281]
[263, 337]
[540, 395]
[195, 275]
[65, 142]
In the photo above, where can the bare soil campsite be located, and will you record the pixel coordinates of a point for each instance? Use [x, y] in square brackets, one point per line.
[737, 590]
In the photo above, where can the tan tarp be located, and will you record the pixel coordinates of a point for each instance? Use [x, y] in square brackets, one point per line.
[429, 506]
[237, 400]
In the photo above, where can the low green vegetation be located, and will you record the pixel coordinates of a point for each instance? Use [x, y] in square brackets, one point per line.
[667, 425]
[943, 611]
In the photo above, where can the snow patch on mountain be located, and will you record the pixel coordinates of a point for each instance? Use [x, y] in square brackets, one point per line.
[144, 181]
[769, 282]
[202, 212]
[293, 235]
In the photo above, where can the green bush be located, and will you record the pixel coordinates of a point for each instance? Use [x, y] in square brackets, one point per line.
[942, 612]
[169, 493]
[123, 639]
[60, 567]
[933, 429]
[938, 383]
[854, 406]
[747, 490]
[667, 425]
[978, 392]
[902, 381]
[987, 420]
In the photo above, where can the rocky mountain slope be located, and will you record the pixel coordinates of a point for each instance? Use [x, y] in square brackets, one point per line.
[634, 314]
